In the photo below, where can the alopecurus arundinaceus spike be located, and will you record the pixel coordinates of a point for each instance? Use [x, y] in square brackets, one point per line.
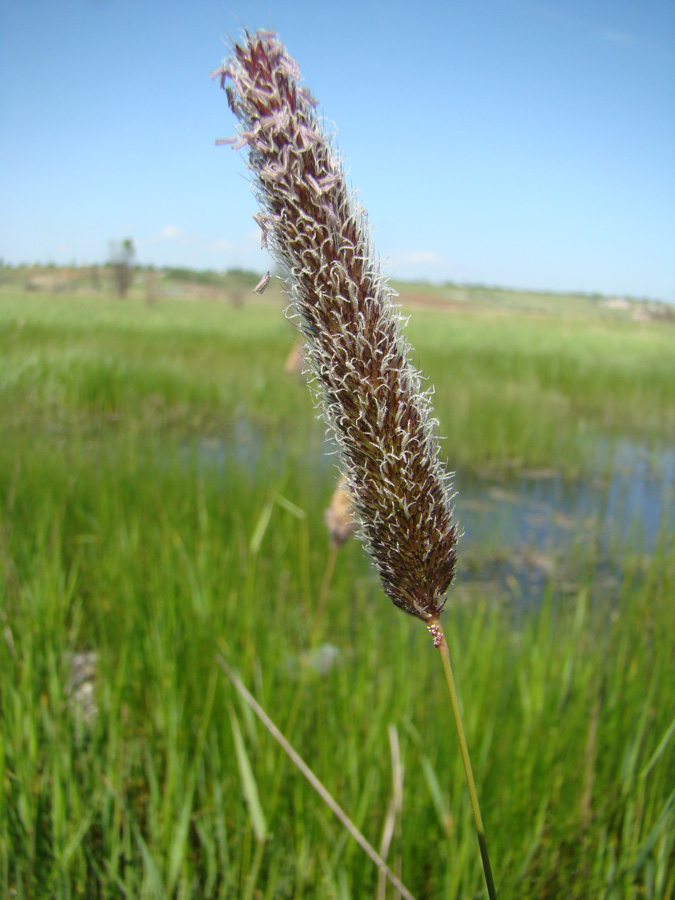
[369, 391]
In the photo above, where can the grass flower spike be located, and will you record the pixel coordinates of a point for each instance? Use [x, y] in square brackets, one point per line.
[370, 393]
[338, 517]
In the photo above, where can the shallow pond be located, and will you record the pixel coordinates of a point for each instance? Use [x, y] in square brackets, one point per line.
[536, 525]
[529, 529]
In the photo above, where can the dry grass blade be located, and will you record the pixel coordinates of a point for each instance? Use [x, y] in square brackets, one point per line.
[394, 807]
[314, 781]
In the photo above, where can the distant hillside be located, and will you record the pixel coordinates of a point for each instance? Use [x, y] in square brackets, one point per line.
[489, 298]
[237, 287]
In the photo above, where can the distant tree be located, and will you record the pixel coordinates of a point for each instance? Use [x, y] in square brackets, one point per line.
[122, 257]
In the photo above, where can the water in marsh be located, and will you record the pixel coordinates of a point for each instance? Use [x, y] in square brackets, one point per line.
[537, 525]
[529, 529]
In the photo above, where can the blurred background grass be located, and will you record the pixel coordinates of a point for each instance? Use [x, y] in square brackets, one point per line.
[162, 487]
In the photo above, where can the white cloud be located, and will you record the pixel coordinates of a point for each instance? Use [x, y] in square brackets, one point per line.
[168, 233]
[428, 257]
[171, 232]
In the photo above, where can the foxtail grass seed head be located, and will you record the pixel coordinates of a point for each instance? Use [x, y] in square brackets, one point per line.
[338, 517]
[369, 392]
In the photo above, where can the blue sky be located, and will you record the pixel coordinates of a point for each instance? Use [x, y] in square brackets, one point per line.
[525, 143]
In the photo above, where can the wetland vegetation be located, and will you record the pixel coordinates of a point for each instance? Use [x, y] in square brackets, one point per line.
[162, 490]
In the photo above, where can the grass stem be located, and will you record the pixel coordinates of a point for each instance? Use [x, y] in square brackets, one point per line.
[323, 595]
[442, 646]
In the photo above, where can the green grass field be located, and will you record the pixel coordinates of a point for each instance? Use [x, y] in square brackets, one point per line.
[162, 487]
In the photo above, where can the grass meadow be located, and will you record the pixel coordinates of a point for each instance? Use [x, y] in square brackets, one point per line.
[162, 490]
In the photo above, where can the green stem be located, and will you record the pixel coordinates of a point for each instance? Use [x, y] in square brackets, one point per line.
[323, 594]
[442, 645]
[255, 869]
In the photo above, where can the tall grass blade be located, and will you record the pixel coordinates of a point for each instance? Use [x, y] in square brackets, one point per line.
[659, 828]
[394, 807]
[656, 755]
[437, 799]
[248, 783]
[261, 527]
[314, 781]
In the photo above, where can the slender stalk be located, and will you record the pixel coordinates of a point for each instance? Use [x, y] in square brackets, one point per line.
[323, 594]
[441, 645]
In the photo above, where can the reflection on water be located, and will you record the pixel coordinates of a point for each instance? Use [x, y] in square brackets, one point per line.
[523, 531]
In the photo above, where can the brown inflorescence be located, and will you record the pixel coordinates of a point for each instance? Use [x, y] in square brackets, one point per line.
[369, 391]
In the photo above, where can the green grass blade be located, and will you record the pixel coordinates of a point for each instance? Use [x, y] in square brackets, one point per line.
[248, 782]
[656, 755]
